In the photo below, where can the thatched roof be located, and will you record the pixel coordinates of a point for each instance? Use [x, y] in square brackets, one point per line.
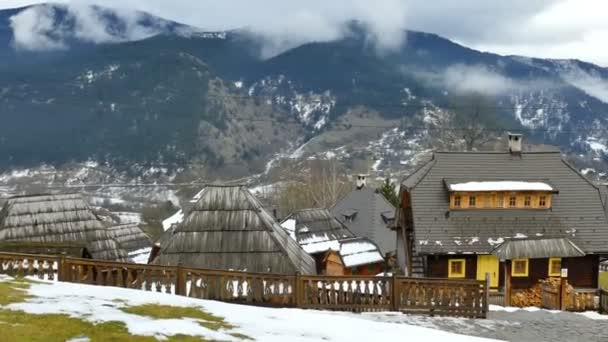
[316, 230]
[57, 219]
[227, 228]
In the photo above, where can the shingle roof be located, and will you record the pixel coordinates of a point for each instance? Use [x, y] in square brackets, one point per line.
[368, 221]
[359, 251]
[54, 219]
[537, 248]
[316, 230]
[577, 212]
[227, 228]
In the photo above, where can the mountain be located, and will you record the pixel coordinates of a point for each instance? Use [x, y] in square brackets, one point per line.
[147, 92]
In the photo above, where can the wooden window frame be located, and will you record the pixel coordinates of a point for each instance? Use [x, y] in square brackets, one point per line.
[460, 274]
[558, 273]
[520, 274]
[473, 201]
[527, 201]
[542, 201]
[457, 201]
[514, 205]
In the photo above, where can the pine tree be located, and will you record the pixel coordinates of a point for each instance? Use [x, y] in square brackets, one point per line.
[388, 191]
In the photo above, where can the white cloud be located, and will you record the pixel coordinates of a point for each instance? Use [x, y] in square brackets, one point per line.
[540, 28]
[476, 78]
[591, 83]
[38, 28]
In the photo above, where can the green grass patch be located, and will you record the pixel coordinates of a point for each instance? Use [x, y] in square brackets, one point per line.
[14, 291]
[168, 312]
[604, 280]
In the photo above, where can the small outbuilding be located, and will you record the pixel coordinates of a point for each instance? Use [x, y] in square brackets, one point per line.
[227, 228]
[57, 220]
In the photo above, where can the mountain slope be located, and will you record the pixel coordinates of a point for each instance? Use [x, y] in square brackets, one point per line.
[181, 96]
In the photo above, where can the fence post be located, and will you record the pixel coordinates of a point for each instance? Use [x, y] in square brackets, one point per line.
[486, 296]
[61, 276]
[180, 281]
[297, 289]
[507, 283]
[395, 295]
[563, 293]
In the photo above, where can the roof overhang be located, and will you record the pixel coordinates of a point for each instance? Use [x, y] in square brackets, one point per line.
[537, 248]
[482, 185]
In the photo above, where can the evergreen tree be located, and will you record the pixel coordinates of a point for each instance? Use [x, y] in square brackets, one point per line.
[388, 191]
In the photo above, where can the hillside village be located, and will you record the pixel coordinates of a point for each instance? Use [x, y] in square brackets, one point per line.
[303, 171]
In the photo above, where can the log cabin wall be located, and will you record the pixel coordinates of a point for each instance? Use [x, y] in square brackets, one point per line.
[582, 272]
[500, 200]
[333, 265]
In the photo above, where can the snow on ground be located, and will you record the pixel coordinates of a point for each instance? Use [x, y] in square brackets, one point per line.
[514, 309]
[102, 304]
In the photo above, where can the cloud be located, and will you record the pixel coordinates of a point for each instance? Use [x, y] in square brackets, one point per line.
[477, 78]
[44, 27]
[590, 82]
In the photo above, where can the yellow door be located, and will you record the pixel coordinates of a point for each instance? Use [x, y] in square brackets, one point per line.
[489, 264]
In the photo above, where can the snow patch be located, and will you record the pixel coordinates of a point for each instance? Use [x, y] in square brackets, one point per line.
[500, 186]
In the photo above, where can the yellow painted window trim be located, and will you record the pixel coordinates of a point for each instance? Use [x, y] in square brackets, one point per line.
[557, 274]
[457, 275]
[515, 274]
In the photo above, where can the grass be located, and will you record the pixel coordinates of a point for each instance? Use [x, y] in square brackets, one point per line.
[604, 280]
[18, 326]
[13, 291]
[167, 312]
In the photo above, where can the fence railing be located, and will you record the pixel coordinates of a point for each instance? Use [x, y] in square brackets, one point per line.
[603, 294]
[550, 297]
[434, 296]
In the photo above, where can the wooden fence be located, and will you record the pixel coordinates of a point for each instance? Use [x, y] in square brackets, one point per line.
[433, 296]
[603, 301]
[551, 297]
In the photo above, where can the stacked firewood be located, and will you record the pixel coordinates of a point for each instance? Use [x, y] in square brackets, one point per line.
[529, 297]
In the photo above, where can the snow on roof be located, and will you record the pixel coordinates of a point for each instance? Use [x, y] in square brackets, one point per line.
[141, 256]
[323, 246]
[359, 251]
[499, 186]
[290, 226]
[176, 218]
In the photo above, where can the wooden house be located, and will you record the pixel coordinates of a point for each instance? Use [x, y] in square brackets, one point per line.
[51, 222]
[335, 248]
[519, 216]
[367, 213]
[227, 228]
[133, 240]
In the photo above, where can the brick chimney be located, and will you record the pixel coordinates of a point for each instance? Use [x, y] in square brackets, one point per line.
[515, 142]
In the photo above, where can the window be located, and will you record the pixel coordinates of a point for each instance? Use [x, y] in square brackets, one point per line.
[501, 201]
[512, 201]
[456, 268]
[457, 201]
[555, 267]
[542, 201]
[527, 201]
[519, 268]
[472, 200]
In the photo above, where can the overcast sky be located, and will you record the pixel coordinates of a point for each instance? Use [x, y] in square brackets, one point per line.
[540, 28]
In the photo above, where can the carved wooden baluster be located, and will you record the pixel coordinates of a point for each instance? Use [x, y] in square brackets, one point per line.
[109, 277]
[158, 277]
[99, 275]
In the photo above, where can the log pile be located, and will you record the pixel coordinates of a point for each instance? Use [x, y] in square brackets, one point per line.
[528, 297]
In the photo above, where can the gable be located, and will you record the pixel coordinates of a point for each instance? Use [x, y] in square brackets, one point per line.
[577, 212]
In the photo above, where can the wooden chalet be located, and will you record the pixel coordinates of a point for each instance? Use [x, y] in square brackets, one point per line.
[57, 224]
[519, 216]
[337, 251]
[228, 229]
[367, 213]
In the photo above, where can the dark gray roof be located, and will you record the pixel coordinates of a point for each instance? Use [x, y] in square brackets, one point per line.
[537, 248]
[55, 219]
[227, 228]
[315, 227]
[577, 212]
[368, 221]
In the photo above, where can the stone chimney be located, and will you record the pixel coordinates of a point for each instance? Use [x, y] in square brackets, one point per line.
[515, 143]
[361, 181]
